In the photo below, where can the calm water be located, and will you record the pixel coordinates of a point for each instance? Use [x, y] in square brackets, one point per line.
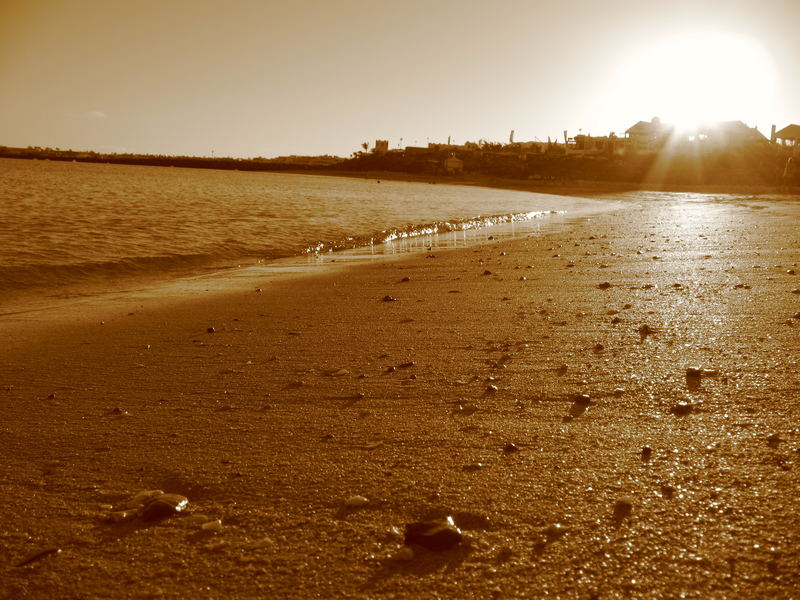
[63, 223]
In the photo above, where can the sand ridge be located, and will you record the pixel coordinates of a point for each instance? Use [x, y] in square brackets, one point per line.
[316, 390]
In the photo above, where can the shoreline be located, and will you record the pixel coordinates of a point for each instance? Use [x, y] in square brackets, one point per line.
[404, 382]
[561, 188]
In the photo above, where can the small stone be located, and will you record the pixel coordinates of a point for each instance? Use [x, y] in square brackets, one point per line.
[681, 409]
[645, 330]
[164, 506]
[796, 291]
[491, 389]
[436, 535]
[407, 365]
[796, 315]
[554, 532]
[213, 526]
[354, 502]
[405, 279]
[582, 400]
[616, 320]
[647, 452]
[340, 373]
[694, 376]
[623, 508]
[618, 392]
[561, 370]
[388, 299]
[487, 272]
[510, 447]
[604, 286]
[211, 330]
[259, 290]
[466, 409]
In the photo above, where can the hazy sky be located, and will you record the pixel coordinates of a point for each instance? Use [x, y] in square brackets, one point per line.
[268, 78]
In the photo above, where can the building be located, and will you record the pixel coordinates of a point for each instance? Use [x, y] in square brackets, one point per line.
[645, 137]
[453, 165]
[587, 145]
[788, 136]
[730, 135]
[381, 147]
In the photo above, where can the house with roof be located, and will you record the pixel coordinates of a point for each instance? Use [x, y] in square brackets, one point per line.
[730, 135]
[645, 137]
[788, 136]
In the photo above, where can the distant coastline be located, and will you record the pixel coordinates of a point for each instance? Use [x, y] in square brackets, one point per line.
[575, 180]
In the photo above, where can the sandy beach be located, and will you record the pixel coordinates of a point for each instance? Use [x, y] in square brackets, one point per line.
[535, 390]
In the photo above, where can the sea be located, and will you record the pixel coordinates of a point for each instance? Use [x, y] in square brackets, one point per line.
[100, 227]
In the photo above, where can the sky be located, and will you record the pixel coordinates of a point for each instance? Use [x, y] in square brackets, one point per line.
[270, 78]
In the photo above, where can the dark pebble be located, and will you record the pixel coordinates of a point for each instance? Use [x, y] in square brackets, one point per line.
[436, 535]
[623, 508]
[164, 506]
[604, 286]
[211, 330]
[388, 299]
[681, 409]
[582, 400]
[647, 452]
[510, 447]
[487, 272]
[405, 279]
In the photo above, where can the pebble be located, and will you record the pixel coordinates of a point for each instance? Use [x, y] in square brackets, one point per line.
[647, 452]
[211, 330]
[554, 532]
[582, 400]
[645, 330]
[487, 272]
[466, 409]
[604, 286]
[436, 534]
[214, 526]
[354, 502]
[405, 279]
[491, 389]
[681, 409]
[164, 506]
[623, 508]
[694, 374]
[510, 447]
[388, 299]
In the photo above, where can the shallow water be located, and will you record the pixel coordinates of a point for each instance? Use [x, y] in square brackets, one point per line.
[64, 223]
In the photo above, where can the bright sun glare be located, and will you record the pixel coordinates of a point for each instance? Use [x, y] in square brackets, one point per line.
[690, 79]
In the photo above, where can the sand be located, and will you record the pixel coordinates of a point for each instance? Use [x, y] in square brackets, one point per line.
[317, 389]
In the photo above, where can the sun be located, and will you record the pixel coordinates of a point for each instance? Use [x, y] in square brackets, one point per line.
[694, 78]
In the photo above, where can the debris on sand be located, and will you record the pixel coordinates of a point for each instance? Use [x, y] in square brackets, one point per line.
[354, 502]
[436, 534]
[604, 286]
[388, 299]
[38, 555]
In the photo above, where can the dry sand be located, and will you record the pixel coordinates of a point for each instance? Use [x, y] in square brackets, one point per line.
[303, 396]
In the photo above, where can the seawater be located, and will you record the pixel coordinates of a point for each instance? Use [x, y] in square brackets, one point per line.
[65, 223]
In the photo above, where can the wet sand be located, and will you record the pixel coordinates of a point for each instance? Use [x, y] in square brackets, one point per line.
[405, 382]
